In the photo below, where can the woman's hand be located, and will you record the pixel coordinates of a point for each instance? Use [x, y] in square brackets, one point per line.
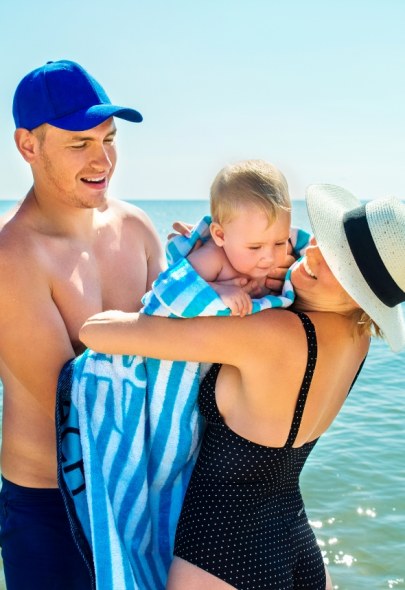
[275, 280]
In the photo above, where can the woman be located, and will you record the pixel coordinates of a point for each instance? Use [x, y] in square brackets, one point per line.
[281, 380]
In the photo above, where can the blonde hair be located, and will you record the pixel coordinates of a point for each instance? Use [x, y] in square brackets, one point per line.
[363, 324]
[249, 182]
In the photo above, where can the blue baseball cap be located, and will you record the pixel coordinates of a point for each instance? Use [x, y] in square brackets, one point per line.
[64, 95]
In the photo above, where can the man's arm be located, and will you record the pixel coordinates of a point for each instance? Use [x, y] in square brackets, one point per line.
[34, 342]
[155, 259]
[155, 256]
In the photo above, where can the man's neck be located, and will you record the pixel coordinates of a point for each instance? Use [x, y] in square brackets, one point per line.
[56, 217]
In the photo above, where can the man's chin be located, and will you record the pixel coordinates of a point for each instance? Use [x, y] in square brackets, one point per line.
[95, 201]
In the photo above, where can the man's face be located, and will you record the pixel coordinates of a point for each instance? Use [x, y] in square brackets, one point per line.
[76, 166]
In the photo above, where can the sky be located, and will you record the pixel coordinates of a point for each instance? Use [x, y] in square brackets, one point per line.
[315, 86]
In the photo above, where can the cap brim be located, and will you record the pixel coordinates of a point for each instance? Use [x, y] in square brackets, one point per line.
[95, 115]
[326, 206]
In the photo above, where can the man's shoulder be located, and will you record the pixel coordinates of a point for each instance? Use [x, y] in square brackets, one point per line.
[127, 211]
[10, 215]
[17, 256]
[21, 246]
[120, 206]
[138, 236]
[12, 232]
[128, 216]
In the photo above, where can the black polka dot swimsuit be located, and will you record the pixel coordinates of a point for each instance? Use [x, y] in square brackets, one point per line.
[243, 518]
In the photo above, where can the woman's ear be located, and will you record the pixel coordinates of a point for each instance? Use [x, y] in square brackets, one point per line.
[26, 143]
[217, 233]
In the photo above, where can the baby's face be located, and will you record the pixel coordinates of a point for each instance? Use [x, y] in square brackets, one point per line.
[253, 247]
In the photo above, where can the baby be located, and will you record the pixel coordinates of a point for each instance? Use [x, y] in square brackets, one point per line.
[251, 216]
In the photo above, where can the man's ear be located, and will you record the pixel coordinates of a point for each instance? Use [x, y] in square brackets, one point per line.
[27, 144]
[217, 233]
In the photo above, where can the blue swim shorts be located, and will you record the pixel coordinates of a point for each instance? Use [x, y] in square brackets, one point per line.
[37, 546]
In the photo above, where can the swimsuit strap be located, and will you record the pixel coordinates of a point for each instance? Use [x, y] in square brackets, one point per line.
[306, 382]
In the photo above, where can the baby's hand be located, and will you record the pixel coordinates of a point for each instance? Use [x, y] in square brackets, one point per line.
[260, 291]
[234, 297]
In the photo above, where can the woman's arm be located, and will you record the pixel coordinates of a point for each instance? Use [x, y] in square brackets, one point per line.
[229, 340]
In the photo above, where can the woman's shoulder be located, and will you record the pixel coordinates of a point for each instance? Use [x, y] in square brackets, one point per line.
[282, 321]
[337, 334]
[331, 329]
[339, 351]
[280, 331]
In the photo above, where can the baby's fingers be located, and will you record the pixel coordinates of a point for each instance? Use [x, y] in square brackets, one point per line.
[245, 305]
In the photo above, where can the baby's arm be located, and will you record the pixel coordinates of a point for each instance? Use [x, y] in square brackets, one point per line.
[207, 261]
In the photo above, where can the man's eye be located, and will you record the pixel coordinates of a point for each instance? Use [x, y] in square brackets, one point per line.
[78, 146]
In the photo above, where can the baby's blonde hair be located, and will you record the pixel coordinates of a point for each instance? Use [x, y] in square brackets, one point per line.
[249, 182]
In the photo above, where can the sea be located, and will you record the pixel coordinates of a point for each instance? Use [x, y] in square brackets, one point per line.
[354, 481]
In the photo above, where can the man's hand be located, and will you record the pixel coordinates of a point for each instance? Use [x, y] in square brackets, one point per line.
[183, 229]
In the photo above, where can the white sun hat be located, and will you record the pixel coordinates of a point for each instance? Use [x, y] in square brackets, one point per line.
[364, 246]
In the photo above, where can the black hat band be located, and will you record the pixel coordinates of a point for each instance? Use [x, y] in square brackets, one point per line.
[368, 258]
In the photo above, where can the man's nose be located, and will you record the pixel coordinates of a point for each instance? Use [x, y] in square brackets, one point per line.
[101, 159]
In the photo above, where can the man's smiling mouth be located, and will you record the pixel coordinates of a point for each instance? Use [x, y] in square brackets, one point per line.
[94, 180]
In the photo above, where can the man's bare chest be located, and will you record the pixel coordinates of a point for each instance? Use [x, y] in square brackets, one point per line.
[91, 283]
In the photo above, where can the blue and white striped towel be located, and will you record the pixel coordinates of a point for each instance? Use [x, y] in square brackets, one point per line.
[129, 431]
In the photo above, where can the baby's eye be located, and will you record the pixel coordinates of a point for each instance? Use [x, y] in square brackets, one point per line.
[254, 247]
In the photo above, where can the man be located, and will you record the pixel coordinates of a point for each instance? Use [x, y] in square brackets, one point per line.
[65, 254]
